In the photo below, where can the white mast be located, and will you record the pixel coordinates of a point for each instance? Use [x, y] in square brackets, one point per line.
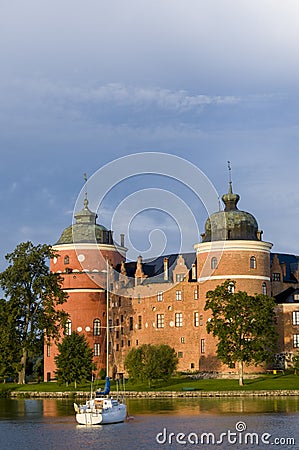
[107, 319]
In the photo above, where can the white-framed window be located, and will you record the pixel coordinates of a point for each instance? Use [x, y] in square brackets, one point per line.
[68, 327]
[160, 320]
[193, 272]
[276, 276]
[96, 349]
[66, 259]
[252, 262]
[295, 317]
[231, 288]
[178, 319]
[296, 340]
[180, 277]
[202, 346]
[96, 327]
[159, 296]
[183, 340]
[264, 289]
[214, 262]
[196, 294]
[178, 295]
[201, 320]
[196, 318]
[48, 350]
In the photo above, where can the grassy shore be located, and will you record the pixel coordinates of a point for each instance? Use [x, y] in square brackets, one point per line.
[180, 383]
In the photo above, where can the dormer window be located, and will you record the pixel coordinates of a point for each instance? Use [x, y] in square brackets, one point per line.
[66, 259]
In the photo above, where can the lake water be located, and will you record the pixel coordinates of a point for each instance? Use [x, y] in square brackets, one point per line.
[245, 423]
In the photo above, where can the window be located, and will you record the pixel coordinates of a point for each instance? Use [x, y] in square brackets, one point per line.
[131, 323]
[160, 297]
[119, 299]
[214, 263]
[139, 299]
[96, 327]
[183, 341]
[180, 277]
[139, 322]
[160, 320]
[201, 320]
[296, 340]
[121, 330]
[178, 295]
[180, 354]
[121, 318]
[117, 347]
[192, 366]
[295, 317]
[231, 288]
[179, 319]
[276, 277]
[252, 262]
[202, 346]
[122, 343]
[196, 294]
[264, 289]
[117, 334]
[296, 297]
[68, 327]
[66, 259]
[129, 343]
[48, 350]
[196, 319]
[96, 350]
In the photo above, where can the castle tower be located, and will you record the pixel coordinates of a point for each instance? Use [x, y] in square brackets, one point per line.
[231, 248]
[83, 249]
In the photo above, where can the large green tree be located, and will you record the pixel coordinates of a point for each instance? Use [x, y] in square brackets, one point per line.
[32, 294]
[151, 362]
[10, 349]
[74, 361]
[244, 325]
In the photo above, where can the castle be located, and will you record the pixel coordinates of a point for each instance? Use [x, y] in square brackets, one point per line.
[162, 300]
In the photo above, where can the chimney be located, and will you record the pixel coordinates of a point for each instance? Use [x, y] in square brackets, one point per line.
[122, 240]
[166, 269]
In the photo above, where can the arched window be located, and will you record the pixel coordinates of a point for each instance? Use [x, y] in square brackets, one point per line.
[252, 262]
[264, 289]
[96, 327]
[66, 259]
[214, 263]
[68, 327]
[231, 288]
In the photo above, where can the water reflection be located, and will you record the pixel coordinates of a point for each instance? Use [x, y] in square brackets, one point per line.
[30, 409]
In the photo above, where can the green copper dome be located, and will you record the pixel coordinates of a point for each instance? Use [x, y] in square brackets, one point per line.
[231, 224]
[85, 230]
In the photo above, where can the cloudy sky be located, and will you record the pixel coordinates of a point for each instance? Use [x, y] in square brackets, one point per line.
[83, 83]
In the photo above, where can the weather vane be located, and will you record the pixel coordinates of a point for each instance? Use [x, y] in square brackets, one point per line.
[85, 181]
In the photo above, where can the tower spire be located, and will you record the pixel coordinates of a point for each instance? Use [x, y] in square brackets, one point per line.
[85, 194]
[230, 183]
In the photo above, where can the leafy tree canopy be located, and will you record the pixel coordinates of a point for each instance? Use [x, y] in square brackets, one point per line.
[74, 361]
[151, 362]
[32, 294]
[243, 324]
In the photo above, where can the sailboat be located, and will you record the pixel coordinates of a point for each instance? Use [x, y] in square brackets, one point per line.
[102, 408]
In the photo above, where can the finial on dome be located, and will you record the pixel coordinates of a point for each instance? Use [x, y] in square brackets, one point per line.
[230, 183]
[85, 195]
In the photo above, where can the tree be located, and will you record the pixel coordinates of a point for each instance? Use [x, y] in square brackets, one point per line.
[243, 324]
[32, 294]
[10, 349]
[151, 362]
[74, 361]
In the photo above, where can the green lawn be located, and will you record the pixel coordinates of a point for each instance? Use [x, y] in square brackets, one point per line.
[180, 383]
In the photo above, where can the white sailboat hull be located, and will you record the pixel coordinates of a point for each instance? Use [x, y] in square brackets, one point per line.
[91, 416]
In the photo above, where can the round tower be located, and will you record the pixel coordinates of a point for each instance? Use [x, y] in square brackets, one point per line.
[84, 249]
[231, 248]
